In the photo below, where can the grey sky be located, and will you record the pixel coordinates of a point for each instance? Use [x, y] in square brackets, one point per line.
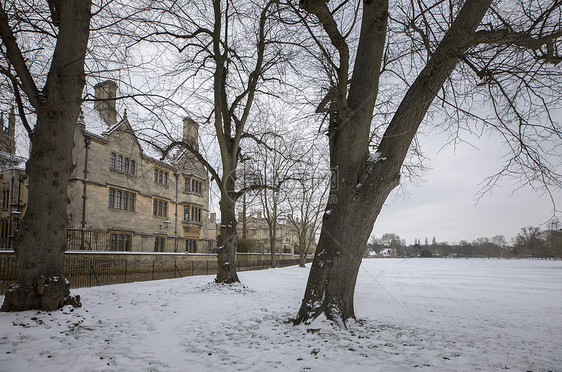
[444, 204]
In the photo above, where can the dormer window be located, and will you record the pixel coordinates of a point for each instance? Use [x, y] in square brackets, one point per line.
[122, 163]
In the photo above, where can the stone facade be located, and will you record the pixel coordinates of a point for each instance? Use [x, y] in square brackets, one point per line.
[142, 203]
[13, 184]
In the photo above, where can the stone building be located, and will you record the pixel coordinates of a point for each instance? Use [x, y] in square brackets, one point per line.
[257, 230]
[130, 201]
[13, 184]
[13, 181]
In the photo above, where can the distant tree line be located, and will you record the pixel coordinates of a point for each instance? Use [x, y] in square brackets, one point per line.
[531, 242]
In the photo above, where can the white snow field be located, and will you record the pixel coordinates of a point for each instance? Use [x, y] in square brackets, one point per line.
[415, 314]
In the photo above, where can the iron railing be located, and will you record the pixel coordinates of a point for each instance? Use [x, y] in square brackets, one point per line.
[90, 272]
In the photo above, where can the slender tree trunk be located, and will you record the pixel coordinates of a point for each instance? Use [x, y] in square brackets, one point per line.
[273, 242]
[304, 244]
[39, 244]
[302, 254]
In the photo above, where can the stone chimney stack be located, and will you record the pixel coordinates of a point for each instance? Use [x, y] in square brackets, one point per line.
[191, 132]
[105, 94]
[12, 131]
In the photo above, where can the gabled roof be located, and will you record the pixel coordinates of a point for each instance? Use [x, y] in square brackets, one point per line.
[124, 126]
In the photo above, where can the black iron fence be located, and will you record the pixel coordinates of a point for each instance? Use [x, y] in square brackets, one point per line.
[87, 240]
[90, 272]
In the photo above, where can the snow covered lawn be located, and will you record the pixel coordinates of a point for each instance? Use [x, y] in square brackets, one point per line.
[416, 314]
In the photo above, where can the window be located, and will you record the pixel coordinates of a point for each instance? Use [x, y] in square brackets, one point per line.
[159, 244]
[119, 199]
[125, 203]
[4, 230]
[193, 185]
[192, 213]
[160, 208]
[111, 198]
[160, 176]
[120, 242]
[121, 163]
[191, 245]
[5, 198]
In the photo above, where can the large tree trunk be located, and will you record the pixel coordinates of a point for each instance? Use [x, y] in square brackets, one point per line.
[228, 238]
[346, 227]
[39, 244]
[364, 181]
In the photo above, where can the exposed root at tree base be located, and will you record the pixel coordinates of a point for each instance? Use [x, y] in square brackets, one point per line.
[331, 314]
[46, 293]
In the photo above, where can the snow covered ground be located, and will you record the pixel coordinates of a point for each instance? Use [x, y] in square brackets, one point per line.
[416, 314]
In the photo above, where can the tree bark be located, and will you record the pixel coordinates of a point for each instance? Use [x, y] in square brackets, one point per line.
[39, 244]
[303, 251]
[364, 181]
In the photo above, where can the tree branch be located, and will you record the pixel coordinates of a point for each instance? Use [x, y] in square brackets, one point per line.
[521, 39]
[16, 59]
[320, 10]
[19, 100]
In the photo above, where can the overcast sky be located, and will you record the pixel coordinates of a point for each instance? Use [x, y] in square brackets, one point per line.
[444, 204]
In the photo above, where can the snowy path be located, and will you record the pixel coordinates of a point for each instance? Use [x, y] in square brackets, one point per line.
[429, 314]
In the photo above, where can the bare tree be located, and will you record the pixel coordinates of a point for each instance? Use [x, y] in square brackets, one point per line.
[307, 202]
[40, 242]
[231, 51]
[274, 170]
[508, 48]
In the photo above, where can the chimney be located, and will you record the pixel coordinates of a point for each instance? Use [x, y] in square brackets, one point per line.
[191, 132]
[104, 103]
[12, 131]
